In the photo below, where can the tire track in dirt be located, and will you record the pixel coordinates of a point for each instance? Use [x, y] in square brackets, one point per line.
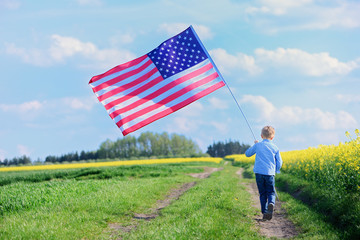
[175, 194]
[279, 226]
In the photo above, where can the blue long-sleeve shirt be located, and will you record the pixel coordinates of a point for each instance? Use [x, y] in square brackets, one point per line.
[268, 159]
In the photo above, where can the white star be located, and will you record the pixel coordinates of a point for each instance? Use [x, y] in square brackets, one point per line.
[188, 65]
[194, 45]
[165, 76]
[173, 72]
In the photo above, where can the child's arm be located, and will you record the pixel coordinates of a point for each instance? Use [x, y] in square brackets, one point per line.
[278, 161]
[252, 150]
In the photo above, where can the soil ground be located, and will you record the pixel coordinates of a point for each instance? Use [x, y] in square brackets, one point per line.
[279, 226]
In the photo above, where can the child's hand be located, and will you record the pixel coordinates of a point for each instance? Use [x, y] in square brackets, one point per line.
[256, 141]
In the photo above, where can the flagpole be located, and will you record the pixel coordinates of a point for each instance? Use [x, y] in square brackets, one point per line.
[217, 70]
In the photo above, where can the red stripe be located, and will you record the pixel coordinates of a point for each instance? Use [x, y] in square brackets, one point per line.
[134, 93]
[122, 77]
[127, 86]
[118, 68]
[163, 89]
[166, 100]
[172, 109]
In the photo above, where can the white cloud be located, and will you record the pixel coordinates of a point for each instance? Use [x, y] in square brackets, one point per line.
[293, 115]
[277, 15]
[348, 98]
[10, 4]
[277, 7]
[218, 103]
[228, 63]
[182, 125]
[285, 59]
[64, 48]
[175, 28]
[22, 108]
[23, 150]
[316, 64]
[89, 2]
[33, 109]
[220, 126]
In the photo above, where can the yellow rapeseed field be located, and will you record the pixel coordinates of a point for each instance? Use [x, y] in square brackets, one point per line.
[330, 166]
[108, 164]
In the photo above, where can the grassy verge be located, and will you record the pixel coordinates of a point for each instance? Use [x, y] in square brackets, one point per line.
[216, 208]
[78, 208]
[156, 170]
[342, 212]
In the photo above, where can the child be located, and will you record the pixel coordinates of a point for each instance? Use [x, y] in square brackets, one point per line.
[267, 163]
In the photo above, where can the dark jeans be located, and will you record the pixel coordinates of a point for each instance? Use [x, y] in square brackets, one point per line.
[266, 186]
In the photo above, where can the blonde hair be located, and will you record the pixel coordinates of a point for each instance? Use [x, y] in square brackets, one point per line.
[268, 132]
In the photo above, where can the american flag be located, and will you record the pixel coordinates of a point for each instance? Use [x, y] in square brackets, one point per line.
[176, 73]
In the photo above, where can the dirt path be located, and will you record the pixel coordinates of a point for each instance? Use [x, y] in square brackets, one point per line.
[279, 226]
[116, 228]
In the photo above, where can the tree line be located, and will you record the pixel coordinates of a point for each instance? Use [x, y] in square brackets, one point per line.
[147, 145]
[221, 149]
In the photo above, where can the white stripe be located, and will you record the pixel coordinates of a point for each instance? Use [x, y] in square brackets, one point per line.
[126, 92]
[160, 97]
[170, 104]
[126, 80]
[165, 82]
[116, 74]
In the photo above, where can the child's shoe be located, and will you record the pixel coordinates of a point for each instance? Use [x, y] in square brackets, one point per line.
[269, 212]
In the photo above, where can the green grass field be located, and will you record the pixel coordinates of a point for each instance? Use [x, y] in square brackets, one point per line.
[85, 203]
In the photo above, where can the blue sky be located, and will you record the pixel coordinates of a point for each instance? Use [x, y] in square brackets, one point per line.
[291, 64]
